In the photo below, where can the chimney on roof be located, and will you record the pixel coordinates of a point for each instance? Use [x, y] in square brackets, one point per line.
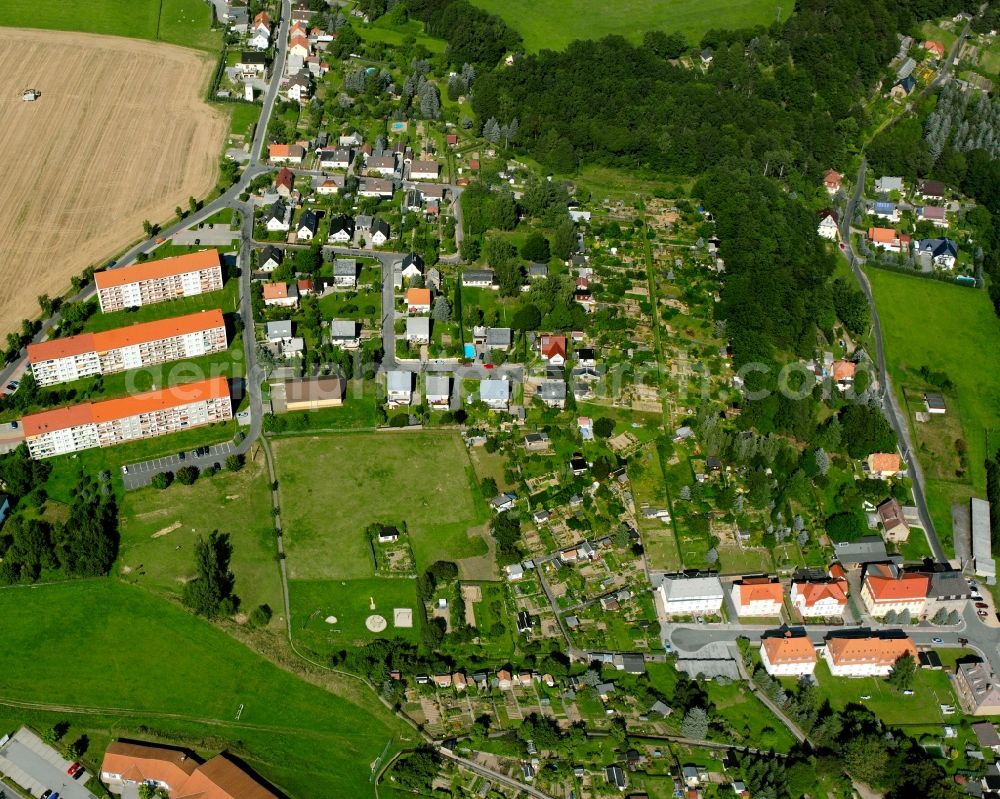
[788, 633]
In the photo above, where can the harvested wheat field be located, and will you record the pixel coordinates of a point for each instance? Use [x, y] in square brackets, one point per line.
[119, 134]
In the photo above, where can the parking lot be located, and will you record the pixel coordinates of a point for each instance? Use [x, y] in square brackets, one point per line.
[138, 475]
[37, 767]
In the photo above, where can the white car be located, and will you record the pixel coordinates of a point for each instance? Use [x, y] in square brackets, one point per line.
[937, 640]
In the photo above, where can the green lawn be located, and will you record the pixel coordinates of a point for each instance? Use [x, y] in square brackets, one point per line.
[145, 668]
[183, 22]
[159, 529]
[332, 487]
[382, 30]
[226, 299]
[349, 601]
[951, 329]
[554, 24]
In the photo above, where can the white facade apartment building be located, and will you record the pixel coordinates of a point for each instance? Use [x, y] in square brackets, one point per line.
[871, 656]
[158, 281]
[687, 595]
[63, 360]
[110, 422]
[788, 655]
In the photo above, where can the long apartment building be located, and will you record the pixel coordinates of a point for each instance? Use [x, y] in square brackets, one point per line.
[115, 421]
[63, 360]
[158, 281]
[866, 656]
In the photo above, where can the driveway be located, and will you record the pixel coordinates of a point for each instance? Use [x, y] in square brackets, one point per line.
[37, 767]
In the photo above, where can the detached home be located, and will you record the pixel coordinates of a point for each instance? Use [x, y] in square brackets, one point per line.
[934, 214]
[478, 278]
[399, 388]
[495, 393]
[281, 294]
[376, 187]
[339, 158]
[379, 232]
[307, 225]
[286, 153]
[825, 599]
[345, 273]
[278, 218]
[424, 170]
[828, 228]
[344, 334]
[270, 258]
[940, 252]
[932, 190]
[788, 655]
[341, 229]
[437, 390]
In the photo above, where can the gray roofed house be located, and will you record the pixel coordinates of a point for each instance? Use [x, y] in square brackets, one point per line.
[478, 277]
[341, 228]
[495, 393]
[886, 184]
[344, 333]
[307, 225]
[345, 272]
[376, 187]
[948, 585]
[399, 387]
[536, 271]
[661, 707]
[713, 660]
[982, 551]
[437, 389]
[498, 338]
[279, 331]
[503, 502]
[270, 258]
[364, 221]
[630, 663]
[977, 688]
[905, 68]
[432, 279]
[616, 777]
[379, 230]
[384, 165]
[418, 329]
[536, 442]
[869, 549]
[552, 393]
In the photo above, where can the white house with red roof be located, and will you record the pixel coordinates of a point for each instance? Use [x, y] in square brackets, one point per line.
[758, 596]
[886, 589]
[788, 655]
[825, 599]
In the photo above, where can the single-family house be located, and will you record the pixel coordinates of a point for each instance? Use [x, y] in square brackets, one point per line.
[418, 329]
[933, 214]
[425, 170]
[278, 332]
[515, 571]
[345, 273]
[552, 393]
[418, 301]
[286, 153]
[299, 46]
[934, 403]
[886, 588]
[553, 349]
[278, 217]
[478, 278]
[888, 184]
[437, 390]
[758, 596]
[307, 225]
[883, 465]
[298, 88]
[341, 229]
[820, 599]
[832, 180]
[787, 655]
[270, 258]
[828, 224]
[935, 48]
[382, 165]
[412, 201]
[328, 184]
[376, 187]
[344, 334]
[872, 655]
[335, 158]
[260, 31]
[399, 387]
[903, 88]
[536, 442]
[537, 271]
[885, 238]
[497, 338]
[379, 232]
[886, 209]
[252, 64]
[283, 182]
[932, 190]
[281, 294]
[940, 252]
[616, 777]
[977, 688]
[503, 502]
[353, 139]
[495, 393]
[890, 515]
[412, 266]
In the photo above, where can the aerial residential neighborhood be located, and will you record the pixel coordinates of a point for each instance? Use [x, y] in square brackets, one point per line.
[457, 398]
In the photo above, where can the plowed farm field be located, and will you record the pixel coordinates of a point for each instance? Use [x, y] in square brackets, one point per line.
[119, 134]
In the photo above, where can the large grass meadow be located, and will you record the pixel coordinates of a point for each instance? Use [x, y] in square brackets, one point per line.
[138, 666]
[553, 24]
[183, 22]
[951, 329]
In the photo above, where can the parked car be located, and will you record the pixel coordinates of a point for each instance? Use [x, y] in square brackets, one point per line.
[12, 386]
[47, 794]
[907, 693]
[937, 641]
[74, 769]
[982, 605]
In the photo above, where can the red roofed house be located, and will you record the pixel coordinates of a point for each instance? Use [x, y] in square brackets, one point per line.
[886, 589]
[182, 775]
[451, 139]
[843, 374]
[890, 513]
[286, 153]
[283, 181]
[870, 656]
[820, 600]
[299, 46]
[934, 47]
[758, 596]
[553, 349]
[832, 180]
[788, 655]
[884, 238]
[418, 301]
[281, 294]
[883, 465]
[504, 681]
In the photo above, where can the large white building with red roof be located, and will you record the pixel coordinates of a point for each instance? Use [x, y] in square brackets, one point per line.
[115, 421]
[866, 656]
[758, 596]
[788, 655]
[63, 360]
[824, 599]
[150, 282]
[886, 589]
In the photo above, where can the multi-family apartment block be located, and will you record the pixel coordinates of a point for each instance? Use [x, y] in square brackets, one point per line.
[115, 421]
[158, 281]
[63, 360]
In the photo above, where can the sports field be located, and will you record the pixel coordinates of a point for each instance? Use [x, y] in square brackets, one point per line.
[120, 134]
[951, 329]
[332, 487]
[553, 24]
[183, 22]
[159, 529]
[121, 662]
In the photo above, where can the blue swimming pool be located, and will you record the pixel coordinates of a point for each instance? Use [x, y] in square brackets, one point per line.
[470, 351]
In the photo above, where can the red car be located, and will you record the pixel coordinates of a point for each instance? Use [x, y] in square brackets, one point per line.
[488, 366]
[982, 605]
[74, 770]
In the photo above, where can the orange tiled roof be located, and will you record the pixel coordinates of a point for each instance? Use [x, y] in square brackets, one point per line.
[789, 649]
[883, 462]
[837, 571]
[906, 587]
[125, 336]
[553, 345]
[760, 590]
[844, 370]
[275, 291]
[832, 176]
[152, 270]
[418, 297]
[882, 235]
[812, 593]
[149, 763]
[875, 650]
[123, 407]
